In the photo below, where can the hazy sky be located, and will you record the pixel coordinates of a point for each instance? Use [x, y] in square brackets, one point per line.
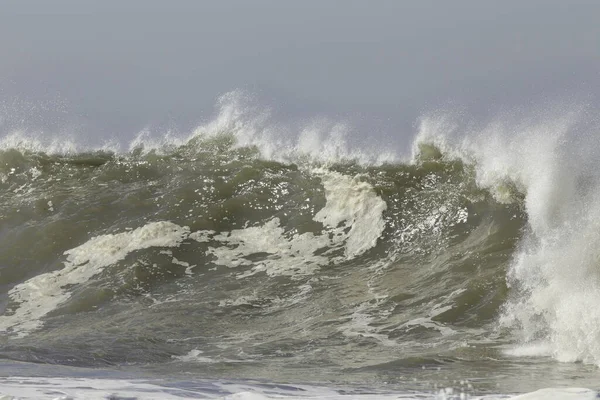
[117, 66]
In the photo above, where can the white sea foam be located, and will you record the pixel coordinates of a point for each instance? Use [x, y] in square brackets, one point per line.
[40, 388]
[360, 322]
[25, 388]
[352, 218]
[238, 114]
[194, 356]
[294, 256]
[41, 294]
[353, 204]
[551, 157]
[559, 394]
[36, 142]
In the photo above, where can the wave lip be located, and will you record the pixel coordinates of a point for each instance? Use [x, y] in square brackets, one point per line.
[549, 159]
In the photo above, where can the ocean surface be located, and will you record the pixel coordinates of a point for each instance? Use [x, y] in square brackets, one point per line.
[251, 260]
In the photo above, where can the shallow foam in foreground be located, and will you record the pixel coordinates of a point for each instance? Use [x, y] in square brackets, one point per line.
[40, 388]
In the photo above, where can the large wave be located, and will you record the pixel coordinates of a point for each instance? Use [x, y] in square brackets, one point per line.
[485, 226]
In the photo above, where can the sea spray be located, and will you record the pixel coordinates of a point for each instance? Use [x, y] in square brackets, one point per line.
[550, 159]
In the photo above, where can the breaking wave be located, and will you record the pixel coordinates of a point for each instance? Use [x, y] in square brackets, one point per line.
[253, 244]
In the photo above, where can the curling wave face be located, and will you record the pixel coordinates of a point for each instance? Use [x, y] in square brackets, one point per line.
[235, 251]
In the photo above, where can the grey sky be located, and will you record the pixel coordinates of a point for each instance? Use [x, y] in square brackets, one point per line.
[116, 66]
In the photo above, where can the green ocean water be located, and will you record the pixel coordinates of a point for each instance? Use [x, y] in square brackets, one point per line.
[206, 258]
